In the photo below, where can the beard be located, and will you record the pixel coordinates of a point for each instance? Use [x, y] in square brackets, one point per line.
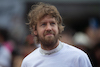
[48, 41]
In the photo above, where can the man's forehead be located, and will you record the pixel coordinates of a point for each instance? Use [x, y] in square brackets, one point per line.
[47, 18]
[44, 16]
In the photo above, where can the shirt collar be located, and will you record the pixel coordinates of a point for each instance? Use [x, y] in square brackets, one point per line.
[58, 48]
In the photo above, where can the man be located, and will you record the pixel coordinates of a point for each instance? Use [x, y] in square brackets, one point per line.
[46, 25]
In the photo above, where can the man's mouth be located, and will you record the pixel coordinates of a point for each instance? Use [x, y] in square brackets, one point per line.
[49, 34]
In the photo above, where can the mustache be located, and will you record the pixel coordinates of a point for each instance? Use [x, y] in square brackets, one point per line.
[48, 32]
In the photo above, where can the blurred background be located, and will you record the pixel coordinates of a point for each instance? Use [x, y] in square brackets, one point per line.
[81, 18]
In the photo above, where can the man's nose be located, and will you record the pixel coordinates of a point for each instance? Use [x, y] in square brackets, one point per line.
[48, 27]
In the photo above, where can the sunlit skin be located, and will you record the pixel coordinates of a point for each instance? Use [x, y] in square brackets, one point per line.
[48, 33]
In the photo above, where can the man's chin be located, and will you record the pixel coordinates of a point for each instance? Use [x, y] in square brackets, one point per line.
[49, 42]
[49, 38]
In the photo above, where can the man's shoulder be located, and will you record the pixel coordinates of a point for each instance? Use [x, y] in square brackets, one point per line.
[72, 49]
[31, 55]
[74, 54]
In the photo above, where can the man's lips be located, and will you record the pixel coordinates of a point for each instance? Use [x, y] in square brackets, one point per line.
[48, 34]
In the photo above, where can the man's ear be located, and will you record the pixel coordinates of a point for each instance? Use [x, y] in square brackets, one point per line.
[35, 32]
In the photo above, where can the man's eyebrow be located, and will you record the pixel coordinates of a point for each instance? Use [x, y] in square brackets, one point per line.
[42, 22]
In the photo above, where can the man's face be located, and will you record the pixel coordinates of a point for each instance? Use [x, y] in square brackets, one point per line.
[47, 31]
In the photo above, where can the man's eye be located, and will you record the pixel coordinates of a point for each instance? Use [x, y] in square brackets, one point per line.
[52, 23]
[43, 24]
